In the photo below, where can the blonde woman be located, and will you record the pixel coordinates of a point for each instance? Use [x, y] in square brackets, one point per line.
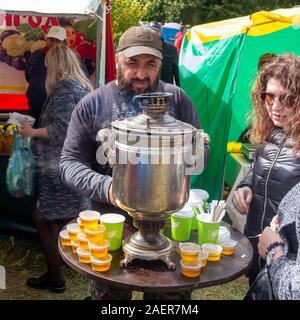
[65, 84]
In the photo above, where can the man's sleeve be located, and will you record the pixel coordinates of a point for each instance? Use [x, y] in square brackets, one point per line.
[79, 154]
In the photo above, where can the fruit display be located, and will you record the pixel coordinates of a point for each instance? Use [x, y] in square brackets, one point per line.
[15, 45]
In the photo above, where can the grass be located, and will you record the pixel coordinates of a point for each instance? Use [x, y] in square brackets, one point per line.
[23, 258]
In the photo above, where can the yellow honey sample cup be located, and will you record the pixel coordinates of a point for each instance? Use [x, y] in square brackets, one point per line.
[81, 226]
[89, 219]
[189, 252]
[84, 256]
[83, 241]
[75, 245]
[214, 251]
[99, 251]
[97, 235]
[203, 256]
[73, 229]
[190, 269]
[101, 264]
[65, 238]
[228, 246]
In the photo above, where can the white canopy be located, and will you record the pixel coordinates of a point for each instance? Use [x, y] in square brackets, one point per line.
[73, 8]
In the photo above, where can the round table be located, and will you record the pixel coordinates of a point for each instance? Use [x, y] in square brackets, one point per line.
[154, 276]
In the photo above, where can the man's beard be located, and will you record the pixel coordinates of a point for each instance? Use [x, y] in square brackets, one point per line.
[128, 84]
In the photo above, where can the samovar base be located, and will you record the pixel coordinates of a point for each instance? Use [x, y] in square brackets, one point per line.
[132, 251]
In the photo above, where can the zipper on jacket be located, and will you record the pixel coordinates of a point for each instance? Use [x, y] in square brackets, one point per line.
[266, 190]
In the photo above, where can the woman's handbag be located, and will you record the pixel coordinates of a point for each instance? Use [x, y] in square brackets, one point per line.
[261, 288]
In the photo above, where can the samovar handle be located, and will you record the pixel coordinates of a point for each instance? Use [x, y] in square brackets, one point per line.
[200, 138]
[107, 148]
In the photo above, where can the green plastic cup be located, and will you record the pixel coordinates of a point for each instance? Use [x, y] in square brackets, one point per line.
[181, 223]
[114, 224]
[207, 231]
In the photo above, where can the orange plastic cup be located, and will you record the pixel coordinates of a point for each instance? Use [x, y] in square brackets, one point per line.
[101, 264]
[65, 238]
[189, 252]
[81, 226]
[89, 219]
[99, 251]
[203, 256]
[83, 241]
[84, 256]
[75, 245]
[97, 235]
[214, 251]
[190, 270]
[73, 229]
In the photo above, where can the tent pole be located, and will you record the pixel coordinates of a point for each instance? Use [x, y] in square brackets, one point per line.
[101, 60]
[99, 41]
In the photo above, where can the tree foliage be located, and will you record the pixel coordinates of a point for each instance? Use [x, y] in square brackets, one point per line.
[195, 12]
[125, 14]
[130, 13]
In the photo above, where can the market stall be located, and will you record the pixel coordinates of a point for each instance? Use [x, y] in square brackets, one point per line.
[218, 65]
[23, 27]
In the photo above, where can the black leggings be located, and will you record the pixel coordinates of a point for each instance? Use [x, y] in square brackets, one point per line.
[48, 231]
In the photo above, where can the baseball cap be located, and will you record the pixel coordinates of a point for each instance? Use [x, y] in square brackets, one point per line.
[140, 40]
[57, 32]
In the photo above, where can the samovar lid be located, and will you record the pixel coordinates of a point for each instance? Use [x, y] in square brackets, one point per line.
[154, 120]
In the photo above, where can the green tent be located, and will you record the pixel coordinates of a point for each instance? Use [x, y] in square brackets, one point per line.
[218, 66]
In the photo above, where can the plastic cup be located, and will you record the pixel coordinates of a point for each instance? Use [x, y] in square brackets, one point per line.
[65, 238]
[84, 256]
[214, 251]
[189, 269]
[224, 234]
[189, 252]
[75, 245]
[203, 256]
[207, 231]
[99, 251]
[228, 246]
[114, 224]
[181, 223]
[81, 226]
[97, 235]
[73, 229]
[83, 241]
[89, 219]
[101, 264]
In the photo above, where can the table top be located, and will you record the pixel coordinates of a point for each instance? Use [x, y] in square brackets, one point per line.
[154, 276]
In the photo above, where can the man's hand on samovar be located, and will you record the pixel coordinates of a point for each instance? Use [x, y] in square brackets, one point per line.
[111, 197]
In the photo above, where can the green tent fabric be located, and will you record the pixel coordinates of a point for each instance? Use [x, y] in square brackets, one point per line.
[218, 66]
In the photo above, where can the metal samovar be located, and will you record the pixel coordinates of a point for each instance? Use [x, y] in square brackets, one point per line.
[150, 155]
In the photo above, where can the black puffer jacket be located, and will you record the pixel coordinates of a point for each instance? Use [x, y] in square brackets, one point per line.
[275, 171]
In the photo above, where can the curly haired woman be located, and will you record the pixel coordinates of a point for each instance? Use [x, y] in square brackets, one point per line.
[276, 131]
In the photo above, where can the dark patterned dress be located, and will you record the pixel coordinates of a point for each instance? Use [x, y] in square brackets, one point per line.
[56, 200]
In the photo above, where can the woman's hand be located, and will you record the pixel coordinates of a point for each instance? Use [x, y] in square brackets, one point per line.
[267, 237]
[275, 223]
[242, 198]
[25, 130]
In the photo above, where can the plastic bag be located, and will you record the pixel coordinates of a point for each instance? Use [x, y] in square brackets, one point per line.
[21, 173]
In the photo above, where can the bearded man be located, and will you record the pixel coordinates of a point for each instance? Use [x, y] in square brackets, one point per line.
[139, 57]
